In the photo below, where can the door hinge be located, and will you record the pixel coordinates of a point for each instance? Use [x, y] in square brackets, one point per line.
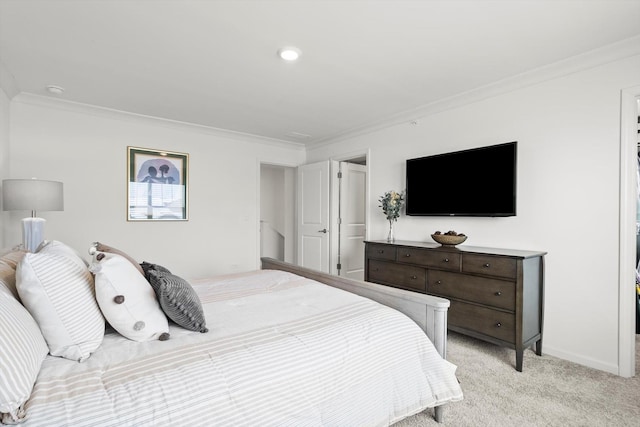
[339, 266]
[339, 175]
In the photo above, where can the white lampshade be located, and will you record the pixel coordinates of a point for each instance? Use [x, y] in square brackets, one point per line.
[32, 195]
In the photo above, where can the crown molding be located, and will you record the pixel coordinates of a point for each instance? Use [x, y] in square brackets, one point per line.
[94, 110]
[594, 58]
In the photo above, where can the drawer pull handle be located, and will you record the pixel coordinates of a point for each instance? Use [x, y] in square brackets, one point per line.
[380, 251]
[376, 269]
[407, 255]
[487, 265]
[498, 293]
[498, 324]
[446, 260]
[414, 277]
[439, 282]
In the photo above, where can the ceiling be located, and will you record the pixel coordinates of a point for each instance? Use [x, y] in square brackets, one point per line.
[363, 63]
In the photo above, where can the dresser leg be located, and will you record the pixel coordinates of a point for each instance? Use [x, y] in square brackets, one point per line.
[539, 347]
[519, 357]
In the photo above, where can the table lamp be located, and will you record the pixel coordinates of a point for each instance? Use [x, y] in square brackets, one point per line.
[32, 195]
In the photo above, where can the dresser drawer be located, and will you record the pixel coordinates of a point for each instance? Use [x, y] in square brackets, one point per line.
[494, 292]
[493, 323]
[402, 276]
[490, 265]
[430, 258]
[381, 252]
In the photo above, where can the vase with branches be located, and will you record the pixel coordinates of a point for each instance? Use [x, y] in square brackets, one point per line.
[391, 203]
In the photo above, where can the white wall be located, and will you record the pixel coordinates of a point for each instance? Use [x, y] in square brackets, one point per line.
[568, 133]
[86, 149]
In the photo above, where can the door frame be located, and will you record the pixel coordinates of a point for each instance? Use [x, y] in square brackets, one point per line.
[334, 214]
[366, 153]
[335, 211]
[627, 239]
[334, 195]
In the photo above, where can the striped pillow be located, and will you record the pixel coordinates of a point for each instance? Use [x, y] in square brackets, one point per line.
[22, 350]
[56, 287]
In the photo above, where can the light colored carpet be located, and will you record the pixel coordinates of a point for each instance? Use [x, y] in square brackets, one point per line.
[549, 391]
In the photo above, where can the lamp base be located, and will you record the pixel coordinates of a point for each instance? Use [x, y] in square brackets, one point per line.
[32, 233]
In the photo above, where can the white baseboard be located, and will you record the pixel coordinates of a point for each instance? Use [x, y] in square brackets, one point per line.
[581, 360]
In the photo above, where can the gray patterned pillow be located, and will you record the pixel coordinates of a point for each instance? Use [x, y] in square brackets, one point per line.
[178, 299]
[146, 266]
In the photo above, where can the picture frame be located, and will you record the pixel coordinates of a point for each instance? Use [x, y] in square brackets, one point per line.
[157, 185]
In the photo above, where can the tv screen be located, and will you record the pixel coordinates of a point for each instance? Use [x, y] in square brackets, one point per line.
[475, 182]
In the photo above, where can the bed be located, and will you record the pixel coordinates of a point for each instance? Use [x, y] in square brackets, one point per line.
[281, 348]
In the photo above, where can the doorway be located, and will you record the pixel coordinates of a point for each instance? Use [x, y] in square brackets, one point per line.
[277, 212]
[349, 195]
[332, 215]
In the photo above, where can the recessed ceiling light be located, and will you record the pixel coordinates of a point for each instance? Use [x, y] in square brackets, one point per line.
[56, 90]
[289, 53]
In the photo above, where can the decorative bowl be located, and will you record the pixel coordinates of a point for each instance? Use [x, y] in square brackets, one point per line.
[448, 240]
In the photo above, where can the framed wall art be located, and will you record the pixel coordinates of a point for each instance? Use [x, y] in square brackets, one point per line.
[157, 185]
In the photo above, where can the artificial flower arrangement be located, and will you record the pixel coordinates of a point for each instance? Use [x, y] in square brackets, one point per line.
[391, 203]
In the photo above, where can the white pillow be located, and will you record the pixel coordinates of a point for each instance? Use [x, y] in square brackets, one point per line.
[127, 300]
[22, 350]
[56, 287]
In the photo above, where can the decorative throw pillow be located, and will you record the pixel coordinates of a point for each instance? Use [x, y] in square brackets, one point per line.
[56, 287]
[178, 300]
[8, 279]
[22, 350]
[100, 247]
[8, 264]
[13, 256]
[127, 300]
[147, 266]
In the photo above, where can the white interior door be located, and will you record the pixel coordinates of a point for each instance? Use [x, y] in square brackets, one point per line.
[313, 216]
[353, 183]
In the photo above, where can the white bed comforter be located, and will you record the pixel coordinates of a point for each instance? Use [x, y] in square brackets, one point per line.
[281, 350]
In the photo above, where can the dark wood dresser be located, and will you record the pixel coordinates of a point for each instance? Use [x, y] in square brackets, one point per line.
[496, 294]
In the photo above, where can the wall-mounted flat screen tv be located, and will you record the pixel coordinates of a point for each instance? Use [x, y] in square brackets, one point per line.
[475, 182]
